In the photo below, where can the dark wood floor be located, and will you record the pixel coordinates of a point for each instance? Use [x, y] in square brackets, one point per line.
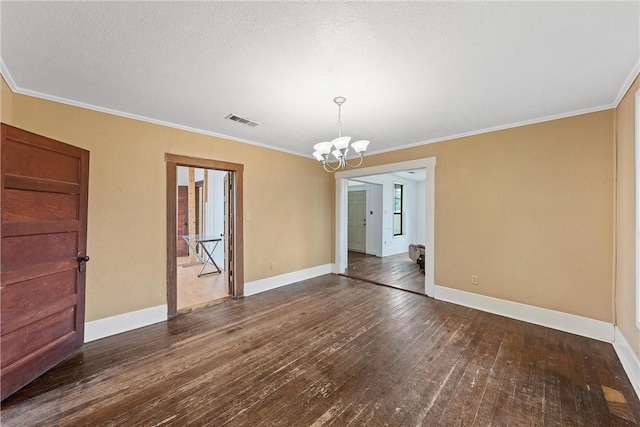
[334, 351]
[393, 270]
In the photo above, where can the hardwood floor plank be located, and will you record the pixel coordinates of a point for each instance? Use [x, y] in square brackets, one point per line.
[585, 414]
[407, 392]
[255, 340]
[501, 373]
[397, 271]
[608, 375]
[381, 346]
[331, 367]
[473, 381]
[333, 351]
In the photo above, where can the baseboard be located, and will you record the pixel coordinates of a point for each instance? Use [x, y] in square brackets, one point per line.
[262, 285]
[124, 322]
[628, 359]
[571, 323]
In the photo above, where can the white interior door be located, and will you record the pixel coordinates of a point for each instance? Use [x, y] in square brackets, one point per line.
[357, 222]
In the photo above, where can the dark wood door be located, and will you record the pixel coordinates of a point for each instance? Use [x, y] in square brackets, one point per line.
[183, 220]
[228, 231]
[44, 234]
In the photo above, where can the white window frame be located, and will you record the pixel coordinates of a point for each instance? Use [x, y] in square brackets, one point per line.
[402, 215]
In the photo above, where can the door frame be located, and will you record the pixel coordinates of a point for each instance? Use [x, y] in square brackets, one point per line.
[236, 175]
[429, 164]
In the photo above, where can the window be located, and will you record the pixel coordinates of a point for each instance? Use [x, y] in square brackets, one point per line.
[397, 209]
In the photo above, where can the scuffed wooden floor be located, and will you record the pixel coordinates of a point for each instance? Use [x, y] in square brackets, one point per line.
[397, 271]
[334, 351]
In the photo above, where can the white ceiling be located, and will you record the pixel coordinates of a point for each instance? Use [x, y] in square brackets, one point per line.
[412, 72]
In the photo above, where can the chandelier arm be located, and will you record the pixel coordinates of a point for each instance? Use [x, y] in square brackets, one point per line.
[354, 166]
[329, 169]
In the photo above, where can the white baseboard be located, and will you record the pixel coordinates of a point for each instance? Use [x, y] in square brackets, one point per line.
[628, 359]
[124, 322]
[262, 285]
[571, 323]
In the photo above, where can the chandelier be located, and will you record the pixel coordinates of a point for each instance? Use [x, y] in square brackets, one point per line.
[339, 147]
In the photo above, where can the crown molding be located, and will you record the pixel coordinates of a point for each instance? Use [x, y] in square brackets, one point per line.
[7, 76]
[53, 98]
[623, 90]
[498, 128]
[627, 83]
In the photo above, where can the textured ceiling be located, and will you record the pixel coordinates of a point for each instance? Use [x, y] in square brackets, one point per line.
[412, 72]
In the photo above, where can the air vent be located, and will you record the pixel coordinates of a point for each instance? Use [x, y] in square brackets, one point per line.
[242, 120]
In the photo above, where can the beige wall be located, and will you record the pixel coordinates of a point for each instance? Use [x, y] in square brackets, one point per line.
[529, 210]
[625, 219]
[289, 198]
[6, 97]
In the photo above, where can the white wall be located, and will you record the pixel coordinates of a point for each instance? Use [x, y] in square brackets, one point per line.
[421, 206]
[374, 210]
[183, 175]
[215, 212]
[391, 244]
[375, 229]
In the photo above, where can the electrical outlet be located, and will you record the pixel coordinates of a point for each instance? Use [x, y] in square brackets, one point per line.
[273, 265]
[474, 280]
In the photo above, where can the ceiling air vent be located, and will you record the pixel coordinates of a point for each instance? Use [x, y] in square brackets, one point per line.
[242, 120]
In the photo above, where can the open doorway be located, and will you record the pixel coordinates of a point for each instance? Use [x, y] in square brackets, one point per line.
[397, 238]
[204, 232]
[394, 218]
[202, 278]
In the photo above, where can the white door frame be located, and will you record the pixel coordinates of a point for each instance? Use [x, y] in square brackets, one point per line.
[429, 164]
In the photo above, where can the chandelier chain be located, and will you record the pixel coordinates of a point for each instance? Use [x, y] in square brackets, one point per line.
[339, 120]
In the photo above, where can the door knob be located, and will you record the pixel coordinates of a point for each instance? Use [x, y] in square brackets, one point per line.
[82, 262]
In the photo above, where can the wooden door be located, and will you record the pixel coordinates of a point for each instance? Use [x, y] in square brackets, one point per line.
[44, 234]
[182, 249]
[357, 221]
[228, 230]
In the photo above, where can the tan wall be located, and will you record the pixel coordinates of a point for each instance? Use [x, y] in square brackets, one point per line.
[289, 198]
[529, 210]
[6, 98]
[625, 219]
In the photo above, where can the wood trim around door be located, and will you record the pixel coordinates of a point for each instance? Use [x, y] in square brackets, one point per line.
[236, 172]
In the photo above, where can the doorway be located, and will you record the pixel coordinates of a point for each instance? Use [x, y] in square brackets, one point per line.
[395, 217]
[202, 278]
[396, 241]
[204, 210]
